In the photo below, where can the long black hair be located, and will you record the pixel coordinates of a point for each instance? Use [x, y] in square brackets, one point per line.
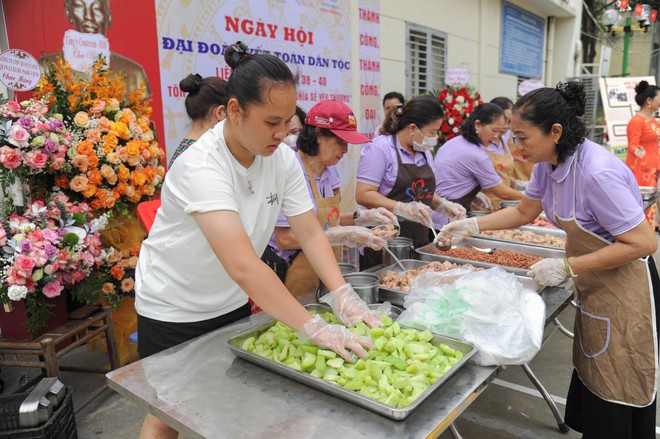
[420, 110]
[252, 75]
[486, 114]
[203, 94]
[563, 105]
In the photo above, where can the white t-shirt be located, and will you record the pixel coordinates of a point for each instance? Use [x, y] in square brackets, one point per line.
[178, 277]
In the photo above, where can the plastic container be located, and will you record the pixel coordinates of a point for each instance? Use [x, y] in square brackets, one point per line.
[402, 248]
[61, 425]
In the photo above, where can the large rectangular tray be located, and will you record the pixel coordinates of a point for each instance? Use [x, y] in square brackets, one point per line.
[397, 297]
[429, 253]
[235, 343]
[534, 229]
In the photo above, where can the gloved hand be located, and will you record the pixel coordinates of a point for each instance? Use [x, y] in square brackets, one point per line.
[639, 152]
[453, 211]
[375, 217]
[354, 236]
[482, 201]
[520, 185]
[550, 272]
[349, 308]
[414, 211]
[456, 231]
[335, 337]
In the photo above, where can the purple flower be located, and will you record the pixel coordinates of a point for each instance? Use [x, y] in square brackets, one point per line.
[50, 249]
[50, 147]
[26, 122]
[56, 125]
[62, 231]
[26, 246]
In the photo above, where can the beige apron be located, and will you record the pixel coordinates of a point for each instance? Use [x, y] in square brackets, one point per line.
[615, 347]
[301, 277]
[504, 166]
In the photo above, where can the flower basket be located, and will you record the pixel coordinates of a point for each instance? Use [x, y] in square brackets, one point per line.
[14, 323]
[457, 103]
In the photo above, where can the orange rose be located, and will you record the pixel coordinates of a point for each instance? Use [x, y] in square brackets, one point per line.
[123, 154]
[95, 177]
[124, 172]
[113, 105]
[135, 250]
[122, 187]
[108, 202]
[85, 147]
[110, 140]
[130, 191]
[97, 107]
[108, 288]
[134, 161]
[117, 272]
[93, 136]
[81, 119]
[146, 153]
[133, 260]
[133, 148]
[104, 124]
[127, 285]
[149, 190]
[80, 162]
[127, 116]
[96, 204]
[149, 173]
[138, 177]
[112, 179]
[120, 129]
[79, 183]
[62, 181]
[107, 171]
[89, 192]
[112, 158]
[93, 161]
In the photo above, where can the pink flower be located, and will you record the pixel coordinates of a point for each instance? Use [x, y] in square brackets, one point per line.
[25, 264]
[36, 160]
[51, 268]
[77, 276]
[13, 105]
[39, 257]
[10, 158]
[52, 289]
[49, 235]
[15, 276]
[3, 237]
[97, 108]
[18, 136]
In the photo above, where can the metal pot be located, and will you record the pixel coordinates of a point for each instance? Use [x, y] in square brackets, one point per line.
[402, 248]
[473, 213]
[364, 284]
[510, 203]
[346, 268]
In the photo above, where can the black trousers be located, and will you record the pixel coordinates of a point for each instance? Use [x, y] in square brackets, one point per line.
[596, 418]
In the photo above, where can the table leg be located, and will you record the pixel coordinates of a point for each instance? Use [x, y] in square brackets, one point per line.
[563, 329]
[50, 357]
[454, 431]
[553, 407]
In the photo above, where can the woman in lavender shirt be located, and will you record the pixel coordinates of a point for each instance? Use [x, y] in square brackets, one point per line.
[594, 197]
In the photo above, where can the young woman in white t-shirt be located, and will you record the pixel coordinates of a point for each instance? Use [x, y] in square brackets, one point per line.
[219, 207]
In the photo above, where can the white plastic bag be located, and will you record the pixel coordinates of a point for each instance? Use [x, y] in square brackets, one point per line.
[489, 309]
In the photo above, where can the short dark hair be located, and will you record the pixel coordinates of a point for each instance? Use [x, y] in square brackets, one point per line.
[203, 94]
[503, 102]
[643, 91]
[564, 105]
[486, 114]
[420, 110]
[301, 115]
[308, 138]
[394, 95]
[253, 74]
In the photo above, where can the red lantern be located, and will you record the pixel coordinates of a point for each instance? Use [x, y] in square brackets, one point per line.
[638, 9]
[623, 4]
[653, 16]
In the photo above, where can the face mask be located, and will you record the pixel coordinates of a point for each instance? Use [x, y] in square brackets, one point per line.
[428, 143]
[290, 139]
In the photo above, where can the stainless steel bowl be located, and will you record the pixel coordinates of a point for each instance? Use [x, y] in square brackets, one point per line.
[364, 284]
[510, 203]
[473, 213]
[346, 268]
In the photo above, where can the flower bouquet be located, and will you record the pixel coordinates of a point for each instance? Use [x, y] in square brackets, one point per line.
[114, 160]
[457, 103]
[49, 248]
[33, 144]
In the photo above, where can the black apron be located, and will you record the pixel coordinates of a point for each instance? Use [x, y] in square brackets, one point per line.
[413, 183]
[466, 200]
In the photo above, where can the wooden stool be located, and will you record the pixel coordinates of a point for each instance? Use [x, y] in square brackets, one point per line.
[51, 346]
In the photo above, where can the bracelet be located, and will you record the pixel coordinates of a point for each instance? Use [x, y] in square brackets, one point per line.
[569, 270]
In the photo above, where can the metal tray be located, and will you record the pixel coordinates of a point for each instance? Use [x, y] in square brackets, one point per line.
[648, 192]
[235, 343]
[397, 297]
[429, 253]
[534, 229]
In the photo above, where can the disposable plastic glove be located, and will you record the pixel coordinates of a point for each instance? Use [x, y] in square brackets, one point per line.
[520, 185]
[414, 211]
[639, 152]
[482, 201]
[453, 211]
[354, 236]
[375, 217]
[455, 232]
[349, 308]
[335, 337]
[550, 272]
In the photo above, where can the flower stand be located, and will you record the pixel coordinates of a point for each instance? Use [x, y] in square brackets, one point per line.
[13, 324]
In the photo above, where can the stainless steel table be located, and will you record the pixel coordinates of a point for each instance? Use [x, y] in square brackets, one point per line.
[201, 389]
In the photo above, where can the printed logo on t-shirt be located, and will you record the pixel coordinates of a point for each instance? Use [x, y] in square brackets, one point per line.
[272, 199]
[418, 191]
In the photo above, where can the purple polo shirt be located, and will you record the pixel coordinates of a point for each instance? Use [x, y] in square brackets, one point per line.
[460, 166]
[327, 183]
[607, 197]
[379, 165]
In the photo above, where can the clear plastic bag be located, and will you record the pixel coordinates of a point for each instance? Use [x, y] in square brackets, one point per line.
[489, 309]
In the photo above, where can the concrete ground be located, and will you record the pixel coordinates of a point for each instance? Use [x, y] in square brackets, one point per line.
[510, 407]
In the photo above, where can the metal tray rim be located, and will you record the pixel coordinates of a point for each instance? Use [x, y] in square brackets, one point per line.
[532, 229]
[336, 390]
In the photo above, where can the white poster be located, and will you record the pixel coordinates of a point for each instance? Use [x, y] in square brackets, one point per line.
[313, 38]
[618, 96]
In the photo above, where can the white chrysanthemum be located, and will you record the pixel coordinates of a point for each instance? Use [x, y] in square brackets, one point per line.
[455, 130]
[460, 99]
[17, 292]
[450, 121]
